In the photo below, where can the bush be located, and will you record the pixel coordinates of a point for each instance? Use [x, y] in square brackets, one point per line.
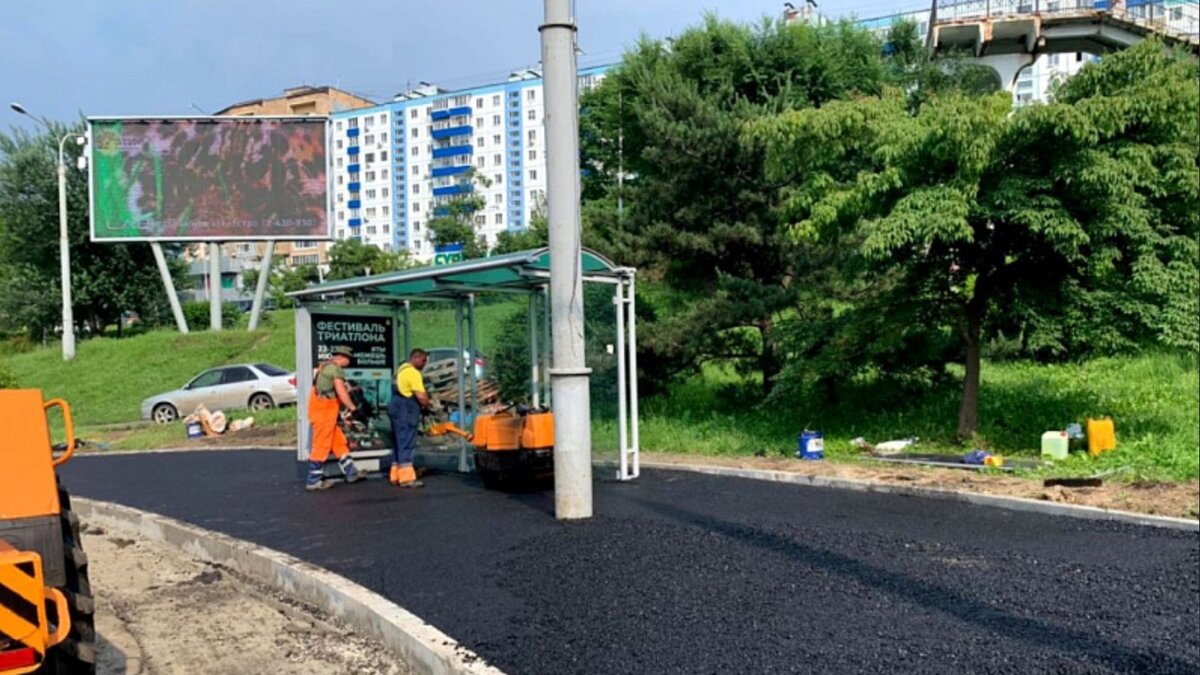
[7, 379]
[196, 315]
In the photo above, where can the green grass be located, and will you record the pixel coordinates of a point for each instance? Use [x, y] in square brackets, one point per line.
[109, 377]
[1152, 399]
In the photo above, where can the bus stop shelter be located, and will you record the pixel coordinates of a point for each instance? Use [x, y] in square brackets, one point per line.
[373, 314]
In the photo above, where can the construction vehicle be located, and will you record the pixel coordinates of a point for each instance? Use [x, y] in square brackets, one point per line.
[514, 446]
[46, 606]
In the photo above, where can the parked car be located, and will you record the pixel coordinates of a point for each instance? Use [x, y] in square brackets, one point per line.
[256, 386]
[439, 355]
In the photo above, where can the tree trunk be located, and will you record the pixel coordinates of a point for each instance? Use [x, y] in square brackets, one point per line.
[968, 408]
[768, 360]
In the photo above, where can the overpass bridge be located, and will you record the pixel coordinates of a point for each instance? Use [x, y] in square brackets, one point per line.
[1009, 35]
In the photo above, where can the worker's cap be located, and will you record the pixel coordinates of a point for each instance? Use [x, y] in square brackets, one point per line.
[343, 350]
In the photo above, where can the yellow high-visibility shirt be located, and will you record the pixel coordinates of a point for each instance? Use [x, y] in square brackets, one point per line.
[408, 381]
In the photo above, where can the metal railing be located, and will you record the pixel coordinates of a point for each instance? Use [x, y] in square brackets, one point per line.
[1175, 18]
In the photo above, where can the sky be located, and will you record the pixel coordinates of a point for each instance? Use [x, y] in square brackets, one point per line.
[61, 58]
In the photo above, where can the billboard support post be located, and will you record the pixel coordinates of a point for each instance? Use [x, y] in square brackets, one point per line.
[169, 285]
[261, 288]
[214, 286]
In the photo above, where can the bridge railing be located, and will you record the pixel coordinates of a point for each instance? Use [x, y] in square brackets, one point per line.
[1177, 18]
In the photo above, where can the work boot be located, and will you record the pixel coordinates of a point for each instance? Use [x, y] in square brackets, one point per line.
[408, 478]
[316, 478]
[394, 475]
[350, 470]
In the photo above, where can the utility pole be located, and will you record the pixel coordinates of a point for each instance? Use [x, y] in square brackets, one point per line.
[569, 374]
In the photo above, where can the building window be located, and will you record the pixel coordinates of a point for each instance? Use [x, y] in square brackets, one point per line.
[416, 132]
[533, 174]
[339, 125]
[479, 142]
[415, 151]
[341, 215]
[496, 120]
[496, 159]
[417, 188]
[383, 155]
[416, 226]
[368, 139]
[532, 115]
[533, 154]
[352, 123]
[499, 219]
[531, 94]
[416, 169]
[479, 122]
[371, 194]
[498, 179]
[387, 211]
[385, 192]
[339, 147]
[369, 122]
[387, 229]
[413, 113]
[370, 229]
[341, 198]
[370, 157]
[370, 175]
[480, 161]
[499, 199]
[340, 180]
[496, 140]
[416, 207]
[532, 135]
[496, 99]
[383, 137]
[384, 174]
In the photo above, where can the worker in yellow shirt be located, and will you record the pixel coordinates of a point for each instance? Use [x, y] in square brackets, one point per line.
[404, 410]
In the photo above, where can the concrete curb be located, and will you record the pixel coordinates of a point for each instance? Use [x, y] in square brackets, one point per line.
[1011, 503]
[423, 647]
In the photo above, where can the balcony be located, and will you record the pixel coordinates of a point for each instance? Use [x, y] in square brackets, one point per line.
[355, 222]
[464, 130]
[354, 203]
[449, 170]
[452, 151]
[353, 187]
[352, 150]
[353, 168]
[352, 133]
[452, 112]
[451, 190]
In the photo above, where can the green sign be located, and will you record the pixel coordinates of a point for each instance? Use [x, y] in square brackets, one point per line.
[450, 253]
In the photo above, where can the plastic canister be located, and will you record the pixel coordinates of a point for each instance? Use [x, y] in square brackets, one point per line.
[1101, 436]
[811, 445]
[194, 430]
[1055, 444]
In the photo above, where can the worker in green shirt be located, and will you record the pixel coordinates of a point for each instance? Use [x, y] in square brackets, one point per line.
[326, 402]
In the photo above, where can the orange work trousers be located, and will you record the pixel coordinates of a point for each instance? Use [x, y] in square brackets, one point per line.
[327, 435]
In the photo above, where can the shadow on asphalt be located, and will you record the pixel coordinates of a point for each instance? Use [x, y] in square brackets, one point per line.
[970, 611]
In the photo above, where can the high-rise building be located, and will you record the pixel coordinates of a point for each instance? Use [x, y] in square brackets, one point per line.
[397, 164]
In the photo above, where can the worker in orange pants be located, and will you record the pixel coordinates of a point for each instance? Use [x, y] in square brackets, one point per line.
[326, 402]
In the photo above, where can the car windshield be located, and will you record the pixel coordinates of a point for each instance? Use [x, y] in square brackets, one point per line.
[270, 370]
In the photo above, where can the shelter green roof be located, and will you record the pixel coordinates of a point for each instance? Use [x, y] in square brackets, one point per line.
[523, 271]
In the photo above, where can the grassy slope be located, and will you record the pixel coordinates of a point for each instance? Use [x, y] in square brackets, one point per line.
[109, 377]
[1152, 399]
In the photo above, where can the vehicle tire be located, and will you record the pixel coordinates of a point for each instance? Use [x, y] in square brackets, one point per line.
[261, 401]
[164, 413]
[76, 655]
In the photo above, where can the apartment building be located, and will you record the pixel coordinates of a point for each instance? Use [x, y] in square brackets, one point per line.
[398, 164]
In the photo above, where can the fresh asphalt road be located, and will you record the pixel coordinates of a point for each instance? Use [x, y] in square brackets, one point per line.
[687, 573]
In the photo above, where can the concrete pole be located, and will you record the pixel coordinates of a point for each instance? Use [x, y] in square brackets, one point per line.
[569, 374]
[169, 285]
[214, 286]
[260, 290]
[535, 385]
[64, 261]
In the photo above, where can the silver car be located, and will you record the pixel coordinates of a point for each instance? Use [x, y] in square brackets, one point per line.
[256, 386]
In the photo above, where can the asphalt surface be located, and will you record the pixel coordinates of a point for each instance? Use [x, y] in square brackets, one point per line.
[686, 573]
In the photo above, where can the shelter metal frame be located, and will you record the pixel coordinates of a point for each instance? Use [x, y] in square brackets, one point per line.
[524, 273]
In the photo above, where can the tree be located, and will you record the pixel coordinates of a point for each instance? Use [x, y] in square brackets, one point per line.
[351, 258]
[662, 135]
[454, 220]
[1079, 218]
[285, 279]
[106, 279]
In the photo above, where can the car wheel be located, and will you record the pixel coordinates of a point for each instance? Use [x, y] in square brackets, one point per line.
[165, 413]
[261, 402]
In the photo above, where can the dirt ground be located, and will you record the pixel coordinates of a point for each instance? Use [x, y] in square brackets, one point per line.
[160, 612]
[1180, 500]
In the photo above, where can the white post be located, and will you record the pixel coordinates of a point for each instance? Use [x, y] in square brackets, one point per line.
[460, 381]
[169, 285]
[214, 286]
[534, 336]
[569, 376]
[64, 260]
[547, 348]
[408, 345]
[473, 349]
[260, 290]
[634, 444]
[622, 408]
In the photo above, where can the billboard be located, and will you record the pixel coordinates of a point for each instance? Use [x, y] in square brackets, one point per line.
[209, 178]
[372, 338]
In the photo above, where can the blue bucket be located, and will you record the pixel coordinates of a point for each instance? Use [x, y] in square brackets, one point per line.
[812, 445]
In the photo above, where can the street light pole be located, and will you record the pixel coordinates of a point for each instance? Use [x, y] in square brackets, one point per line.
[64, 252]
